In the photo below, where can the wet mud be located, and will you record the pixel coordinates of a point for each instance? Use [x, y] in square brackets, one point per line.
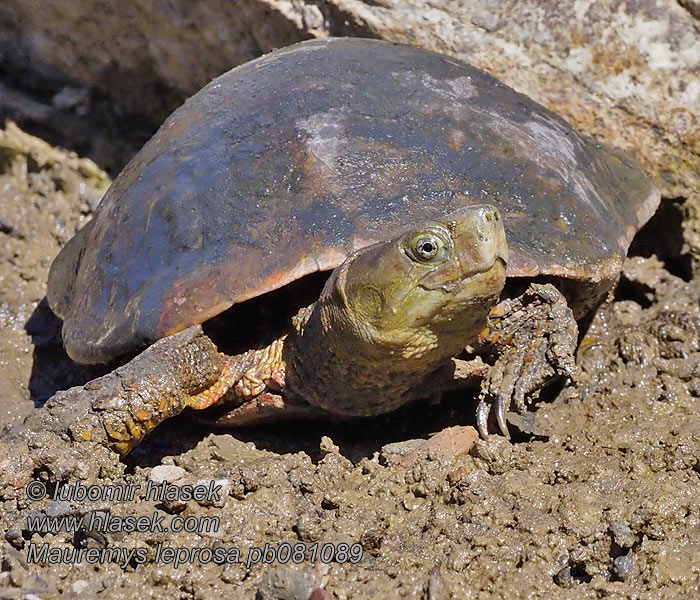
[597, 496]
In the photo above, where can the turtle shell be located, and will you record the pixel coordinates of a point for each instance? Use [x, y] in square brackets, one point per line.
[287, 164]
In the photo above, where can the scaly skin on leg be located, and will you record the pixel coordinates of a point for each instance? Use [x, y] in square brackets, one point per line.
[536, 335]
[255, 390]
[185, 369]
[110, 413]
[179, 384]
[249, 375]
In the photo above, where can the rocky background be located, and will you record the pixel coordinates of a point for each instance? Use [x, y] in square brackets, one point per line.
[602, 499]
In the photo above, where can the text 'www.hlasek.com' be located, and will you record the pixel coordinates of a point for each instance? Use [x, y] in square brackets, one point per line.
[83, 524]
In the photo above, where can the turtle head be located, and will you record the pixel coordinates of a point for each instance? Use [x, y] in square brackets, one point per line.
[436, 281]
[394, 312]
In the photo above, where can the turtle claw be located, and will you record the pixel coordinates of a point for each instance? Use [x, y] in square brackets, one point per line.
[541, 333]
[501, 415]
[483, 410]
[482, 417]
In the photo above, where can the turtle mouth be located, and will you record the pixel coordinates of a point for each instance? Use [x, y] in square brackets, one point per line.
[452, 284]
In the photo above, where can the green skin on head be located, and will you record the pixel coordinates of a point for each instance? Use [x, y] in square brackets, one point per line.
[395, 312]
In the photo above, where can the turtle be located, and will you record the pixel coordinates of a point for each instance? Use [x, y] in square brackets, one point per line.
[460, 231]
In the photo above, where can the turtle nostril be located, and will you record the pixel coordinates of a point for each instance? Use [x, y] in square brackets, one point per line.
[490, 215]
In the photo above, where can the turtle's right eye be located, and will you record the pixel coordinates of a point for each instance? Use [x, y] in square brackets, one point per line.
[427, 247]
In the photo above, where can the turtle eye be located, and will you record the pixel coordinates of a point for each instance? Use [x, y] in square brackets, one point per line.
[426, 247]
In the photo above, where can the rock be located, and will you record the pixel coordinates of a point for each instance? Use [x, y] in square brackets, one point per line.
[622, 534]
[165, 51]
[57, 508]
[625, 73]
[292, 582]
[80, 585]
[224, 487]
[623, 567]
[563, 578]
[167, 473]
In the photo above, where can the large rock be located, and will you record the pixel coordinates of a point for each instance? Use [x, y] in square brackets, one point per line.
[625, 72]
[147, 55]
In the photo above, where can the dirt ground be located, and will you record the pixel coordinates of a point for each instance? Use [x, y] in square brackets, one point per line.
[599, 498]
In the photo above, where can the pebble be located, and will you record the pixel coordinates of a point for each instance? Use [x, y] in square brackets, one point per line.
[167, 473]
[57, 508]
[80, 585]
[225, 488]
[623, 566]
[564, 578]
[622, 534]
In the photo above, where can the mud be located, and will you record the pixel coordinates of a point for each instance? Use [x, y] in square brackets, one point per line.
[600, 498]
[45, 195]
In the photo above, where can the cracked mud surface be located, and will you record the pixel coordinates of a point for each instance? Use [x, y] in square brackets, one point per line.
[601, 498]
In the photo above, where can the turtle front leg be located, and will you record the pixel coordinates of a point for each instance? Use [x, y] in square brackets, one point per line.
[180, 371]
[194, 377]
[256, 390]
[535, 335]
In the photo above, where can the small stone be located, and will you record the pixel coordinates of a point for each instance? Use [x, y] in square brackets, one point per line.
[80, 585]
[327, 446]
[451, 441]
[167, 473]
[308, 527]
[224, 486]
[623, 567]
[393, 454]
[371, 541]
[289, 582]
[57, 508]
[622, 534]
[174, 506]
[14, 537]
[412, 503]
[563, 560]
[563, 578]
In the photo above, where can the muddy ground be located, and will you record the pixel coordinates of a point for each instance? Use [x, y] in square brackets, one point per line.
[599, 498]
